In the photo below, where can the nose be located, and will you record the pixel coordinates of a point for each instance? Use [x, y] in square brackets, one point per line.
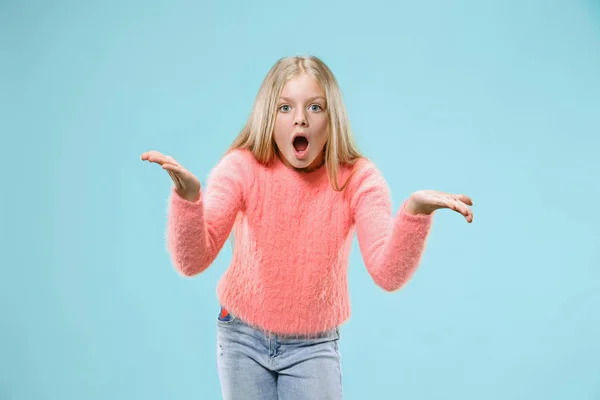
[300, 119]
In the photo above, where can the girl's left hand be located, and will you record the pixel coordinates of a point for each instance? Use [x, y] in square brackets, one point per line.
[427, 201]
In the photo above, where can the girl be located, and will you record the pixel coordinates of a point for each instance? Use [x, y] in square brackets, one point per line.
[293, 188]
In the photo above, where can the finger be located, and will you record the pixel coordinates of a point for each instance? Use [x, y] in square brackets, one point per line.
[176, 179]
[464, 203]
[153, 156]
[158, 157]
[172, 161]
[459, 207]
[466, 211]
[454, 202]
[147, 154]
[162, 159]
[464, 198]
[178, 169]
[178, 173]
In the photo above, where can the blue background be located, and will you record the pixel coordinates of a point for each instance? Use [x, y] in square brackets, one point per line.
[497, 99]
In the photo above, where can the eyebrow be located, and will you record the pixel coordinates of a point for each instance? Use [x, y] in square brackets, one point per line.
[310, 99]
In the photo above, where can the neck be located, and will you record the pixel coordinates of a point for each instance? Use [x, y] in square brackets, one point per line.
[318, 163]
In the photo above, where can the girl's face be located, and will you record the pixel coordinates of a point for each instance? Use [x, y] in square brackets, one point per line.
[301, 125]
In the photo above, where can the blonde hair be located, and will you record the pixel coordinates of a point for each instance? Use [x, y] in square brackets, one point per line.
[257, 134]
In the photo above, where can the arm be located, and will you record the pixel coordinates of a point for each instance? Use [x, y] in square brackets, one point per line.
[197, 231]
[391, 247]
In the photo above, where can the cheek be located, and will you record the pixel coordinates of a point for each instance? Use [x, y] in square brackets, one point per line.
[279, 129]
[321, 126]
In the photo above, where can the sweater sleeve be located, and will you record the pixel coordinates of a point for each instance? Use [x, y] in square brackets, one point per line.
[197, 231]
[391, 247]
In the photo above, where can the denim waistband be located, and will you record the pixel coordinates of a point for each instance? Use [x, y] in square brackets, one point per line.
[225, 316]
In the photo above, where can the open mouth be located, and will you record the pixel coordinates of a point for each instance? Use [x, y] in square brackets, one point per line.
[300, 143]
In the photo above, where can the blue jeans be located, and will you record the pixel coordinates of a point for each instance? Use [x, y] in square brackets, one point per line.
[253, 365]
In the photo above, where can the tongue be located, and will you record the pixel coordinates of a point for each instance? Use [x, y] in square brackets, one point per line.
[300, 143]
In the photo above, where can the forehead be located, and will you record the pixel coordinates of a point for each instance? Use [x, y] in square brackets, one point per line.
[302, 86]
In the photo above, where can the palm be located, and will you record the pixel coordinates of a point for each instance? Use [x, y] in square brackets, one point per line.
[427, 201]
[186, 184]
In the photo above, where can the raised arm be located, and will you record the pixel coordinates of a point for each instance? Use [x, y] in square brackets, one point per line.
[391, 246]
[197, 230]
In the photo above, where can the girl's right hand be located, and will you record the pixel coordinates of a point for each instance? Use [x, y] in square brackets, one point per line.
[186, 184]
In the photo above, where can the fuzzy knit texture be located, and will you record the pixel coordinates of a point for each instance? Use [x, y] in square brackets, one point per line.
[292, 240]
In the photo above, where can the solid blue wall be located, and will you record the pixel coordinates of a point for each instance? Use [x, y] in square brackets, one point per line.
[499, 100]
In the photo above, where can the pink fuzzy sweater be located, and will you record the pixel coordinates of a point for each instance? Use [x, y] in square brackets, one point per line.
[293, 235]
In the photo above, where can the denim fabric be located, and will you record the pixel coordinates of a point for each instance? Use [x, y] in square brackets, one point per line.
[253, 365]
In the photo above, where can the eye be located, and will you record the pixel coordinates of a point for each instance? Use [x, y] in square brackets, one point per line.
[284, 108]
[315, 107]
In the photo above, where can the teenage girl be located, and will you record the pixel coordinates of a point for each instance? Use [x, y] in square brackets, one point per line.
[292, 189]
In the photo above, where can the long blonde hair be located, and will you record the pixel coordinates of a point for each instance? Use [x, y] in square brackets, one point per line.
[257, 134]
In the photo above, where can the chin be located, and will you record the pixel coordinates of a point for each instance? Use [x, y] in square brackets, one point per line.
[300, 163]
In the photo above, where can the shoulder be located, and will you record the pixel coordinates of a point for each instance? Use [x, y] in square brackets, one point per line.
[235, 165]
[238, 159]
[365, 174]
[367, 186]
